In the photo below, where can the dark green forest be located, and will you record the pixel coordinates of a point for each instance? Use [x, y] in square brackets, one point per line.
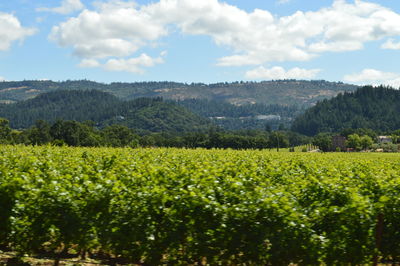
[375, 108]
[147, 114]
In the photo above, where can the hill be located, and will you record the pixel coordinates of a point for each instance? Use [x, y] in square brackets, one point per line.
[283, 92]
[103, 109]
[248, 116]
[377, 108]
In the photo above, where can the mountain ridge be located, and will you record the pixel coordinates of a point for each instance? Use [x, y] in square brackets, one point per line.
[284, 92]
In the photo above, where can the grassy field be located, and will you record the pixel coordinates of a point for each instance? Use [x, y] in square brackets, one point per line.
[177, 206]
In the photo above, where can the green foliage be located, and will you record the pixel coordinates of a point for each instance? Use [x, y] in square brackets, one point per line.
[180, 207]
[366, 142]
[5, 131]
[119, 136]
[73, 133]
[323, 141]
[39, 134]
[354, 142]
[278, 140]
[386, 147]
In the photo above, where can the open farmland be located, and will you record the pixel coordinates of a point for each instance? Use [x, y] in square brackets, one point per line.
[177, 206]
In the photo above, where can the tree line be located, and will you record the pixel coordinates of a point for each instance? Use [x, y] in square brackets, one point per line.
[360, 139]
[87, 134]
[74, 133]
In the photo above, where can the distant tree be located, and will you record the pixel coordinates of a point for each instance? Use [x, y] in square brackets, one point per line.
[147, 141]
[39, 133]
[194, 139]
[74, 133]
[119, 136]
[323, 141]
[278, 140]
[366, 142]
[5, 131]
[354, 142]
[395, 138]
[296, 139]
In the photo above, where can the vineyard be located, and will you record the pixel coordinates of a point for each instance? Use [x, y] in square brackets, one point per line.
[217, 207]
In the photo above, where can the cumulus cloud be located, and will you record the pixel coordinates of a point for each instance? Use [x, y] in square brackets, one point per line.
[278, 72]
[118, 29]
[67, 7]
[11, 30]
[87, 63]
[112, 31]
[391, 44]
[374, 77]
[134, 65]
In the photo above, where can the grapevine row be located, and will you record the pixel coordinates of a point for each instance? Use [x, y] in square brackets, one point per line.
[178, 206]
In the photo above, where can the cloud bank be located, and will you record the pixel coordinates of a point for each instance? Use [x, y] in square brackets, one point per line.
[280, 73]
[119, 29]
[374, 77]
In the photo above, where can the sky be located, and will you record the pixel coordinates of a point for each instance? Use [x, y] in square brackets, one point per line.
[208, 41]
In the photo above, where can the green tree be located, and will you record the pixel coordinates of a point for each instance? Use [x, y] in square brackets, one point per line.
[74, 133]
[354, 142]
[366, 142]
[5, 131]
[278, 140]
[323, 141]
[119, 136]
[39, 133]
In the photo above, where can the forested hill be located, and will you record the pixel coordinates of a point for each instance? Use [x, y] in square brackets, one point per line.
[283, 92]
[377, 108]
[104, 109]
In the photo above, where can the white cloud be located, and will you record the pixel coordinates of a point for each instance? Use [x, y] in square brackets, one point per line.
[2, 79]
[368, 75]
[109, 32]
[390, 44]
[115, 30]
[281, 2]
[87, 63]
[280, 73]
[11, 30]
[340, 46]
[134, 65]
[67, 7]
[374, 77]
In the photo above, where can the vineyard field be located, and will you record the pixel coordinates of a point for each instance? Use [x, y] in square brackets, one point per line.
[197, 207]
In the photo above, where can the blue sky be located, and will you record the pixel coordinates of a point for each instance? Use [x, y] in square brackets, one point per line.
[201, 40]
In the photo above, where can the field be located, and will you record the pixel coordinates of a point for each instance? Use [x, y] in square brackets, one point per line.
[218, 207]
